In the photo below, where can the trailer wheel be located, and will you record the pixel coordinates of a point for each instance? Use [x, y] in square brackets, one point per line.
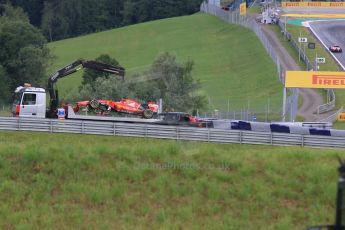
[94, 104]
[147, 113]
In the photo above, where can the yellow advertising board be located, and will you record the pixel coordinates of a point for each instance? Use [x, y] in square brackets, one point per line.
[341, 117]
[311, 79]
[314, 15]
[314, 4]
[243, 8]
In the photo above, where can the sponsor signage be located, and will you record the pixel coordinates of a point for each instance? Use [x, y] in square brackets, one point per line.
[341, 117]
[314, 15]
[314, 4]
[303, 40]
[320, 60]
[315, 79]
[243, 8]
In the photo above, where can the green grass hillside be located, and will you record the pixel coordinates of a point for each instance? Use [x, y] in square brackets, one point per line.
[64, 181]
[229, 60]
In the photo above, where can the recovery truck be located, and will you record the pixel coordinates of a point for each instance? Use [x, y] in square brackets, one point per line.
[31, 101]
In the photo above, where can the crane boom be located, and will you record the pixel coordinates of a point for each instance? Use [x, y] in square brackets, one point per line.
[72, 68]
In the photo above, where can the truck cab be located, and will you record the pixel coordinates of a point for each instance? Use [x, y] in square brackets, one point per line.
[29, 102]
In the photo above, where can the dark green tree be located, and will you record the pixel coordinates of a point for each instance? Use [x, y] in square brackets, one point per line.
[33, 8]
[99, 85]
[90, 76]
[59, 19]
[4, 86]
[23, 52]
[67, 18]
[171, 81]
[136, 11]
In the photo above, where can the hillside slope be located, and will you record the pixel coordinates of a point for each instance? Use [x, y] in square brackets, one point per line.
[229, 60]
[98, 182]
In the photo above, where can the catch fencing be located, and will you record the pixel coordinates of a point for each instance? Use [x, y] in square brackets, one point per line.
[234, 17]
[168, 132]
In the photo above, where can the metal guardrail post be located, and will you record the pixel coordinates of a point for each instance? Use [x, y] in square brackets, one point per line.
[302, 141]
[51, 125]
[240, 137]
[177, 133]
[271, 136]
[82, 127]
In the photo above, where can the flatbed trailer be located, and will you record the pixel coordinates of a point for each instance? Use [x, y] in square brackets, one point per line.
[72, 115]
[171, 119]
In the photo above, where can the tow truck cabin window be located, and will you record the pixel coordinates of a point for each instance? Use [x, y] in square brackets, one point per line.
[29, 99]
[17, 97]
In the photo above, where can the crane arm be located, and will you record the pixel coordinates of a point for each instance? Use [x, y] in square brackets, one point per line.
[72, 68]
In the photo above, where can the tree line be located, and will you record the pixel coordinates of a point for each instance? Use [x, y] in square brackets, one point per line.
[24, 58]
[59, 19]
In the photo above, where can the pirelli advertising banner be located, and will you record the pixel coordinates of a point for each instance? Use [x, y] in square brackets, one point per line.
[243, 8]
[309, 79]
[314, 4]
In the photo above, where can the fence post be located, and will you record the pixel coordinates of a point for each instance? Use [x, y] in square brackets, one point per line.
[114, 128]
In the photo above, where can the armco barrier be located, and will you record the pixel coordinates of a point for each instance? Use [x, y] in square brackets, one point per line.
[169, 132]
[334, 116]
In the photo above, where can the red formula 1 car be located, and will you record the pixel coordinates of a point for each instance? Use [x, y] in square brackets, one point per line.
[335, 49]
[125, 105]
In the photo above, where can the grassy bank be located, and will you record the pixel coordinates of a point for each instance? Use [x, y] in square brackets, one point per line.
[339, 125]
[229, 59]
[72, 181]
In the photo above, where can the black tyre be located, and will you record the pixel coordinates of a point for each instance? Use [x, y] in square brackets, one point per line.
[147, 113]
